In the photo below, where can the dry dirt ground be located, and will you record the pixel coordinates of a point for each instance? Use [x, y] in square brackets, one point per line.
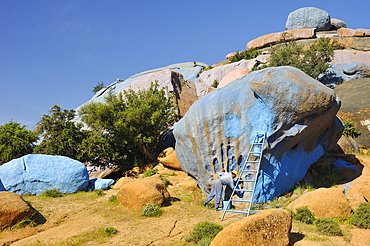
[75, 219]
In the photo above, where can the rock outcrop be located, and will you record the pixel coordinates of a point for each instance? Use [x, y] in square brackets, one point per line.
[347, 32]
[233, 75]
[34, 174]
[308, 17]
[12, 209]
[336, 23]
[347, 56]
[268, 227]
[141, 192]
[177, 78]
[356, 107]
[168, 158]
[324, 203]
[338, 73]
[278, 37]
[349, 146]
[121, 182]
[296, 112]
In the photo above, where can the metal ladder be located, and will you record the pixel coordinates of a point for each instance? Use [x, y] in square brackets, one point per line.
[248, 176]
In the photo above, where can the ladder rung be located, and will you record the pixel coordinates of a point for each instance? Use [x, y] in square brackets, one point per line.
[237, 211]
[245, 180]
[243, 190]
[252, 161]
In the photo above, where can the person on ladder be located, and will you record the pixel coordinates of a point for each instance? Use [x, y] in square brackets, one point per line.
[225, 178]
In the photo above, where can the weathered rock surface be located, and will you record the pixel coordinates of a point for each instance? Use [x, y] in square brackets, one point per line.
[177, 78]
[34, 174]
[121, 182]
[100, 184]
[347, 32]
[349, 146]
[233, 75]
[308, 17]
[336, 23]
[354, 95]
[169, 159]
[12, 209]
[347, 56]
[296, 112]
[278, 37]
[268, 227]
[217, 73]
[324, 203]
[141, 192]
[338, 73]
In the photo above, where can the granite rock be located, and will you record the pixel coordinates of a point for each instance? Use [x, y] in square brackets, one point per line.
[308, 17]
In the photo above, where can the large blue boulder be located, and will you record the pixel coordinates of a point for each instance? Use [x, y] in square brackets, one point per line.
[342, 72]
[308, 17]
[34, 174]
[297, 113]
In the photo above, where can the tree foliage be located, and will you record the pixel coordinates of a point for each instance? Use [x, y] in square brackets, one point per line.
[60, 135]
[15, 141]
[313, 61]
[98, 87]
[246, 55]
[125, 129]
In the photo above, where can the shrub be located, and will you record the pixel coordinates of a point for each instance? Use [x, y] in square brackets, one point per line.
[303, 214]
[361, 217]
[150, 172]
[52, 193]
[107, 231]
[99, 192]
[246, 55]
[165, 181]
[328, 227]
[151, 210]
[207, 68]
[350, 129]
[215, 83]
[113, 199]
[203, 232]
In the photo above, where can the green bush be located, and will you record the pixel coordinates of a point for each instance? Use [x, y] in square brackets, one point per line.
[350, 129]
[246, 55]
[328, 227]
[215, 83]
[52, 193]
[150, 172]
[165, 181]
[107, 231]
[99, 192]
[361, 217]
[151, 210]
[203, 232]
[303, 214]
[113, 199]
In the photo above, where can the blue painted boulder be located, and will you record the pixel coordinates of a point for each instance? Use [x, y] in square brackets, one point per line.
[34, 174]
[342, 72]
[297, 113]
[100, 184]
[308, 17]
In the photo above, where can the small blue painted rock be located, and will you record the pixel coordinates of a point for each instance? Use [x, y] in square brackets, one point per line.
[100, 184]
[297, 113]
[34, 174]
[308, 17]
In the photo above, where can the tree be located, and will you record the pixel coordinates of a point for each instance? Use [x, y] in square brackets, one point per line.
[60, 135]
[125, 129]
[98, 87]
[246, 55]
[313, 61]
[15, 141]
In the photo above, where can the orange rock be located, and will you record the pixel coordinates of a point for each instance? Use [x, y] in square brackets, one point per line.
[277, 37]
[347, 32]
[228, 56]
[233, 75]
[268, 227]
[12, 209]
[349, 146]
[168, 158]
[346, 56]
[141, 192]
[324, 203]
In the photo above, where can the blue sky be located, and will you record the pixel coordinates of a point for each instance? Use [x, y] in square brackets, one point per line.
[55, 52]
